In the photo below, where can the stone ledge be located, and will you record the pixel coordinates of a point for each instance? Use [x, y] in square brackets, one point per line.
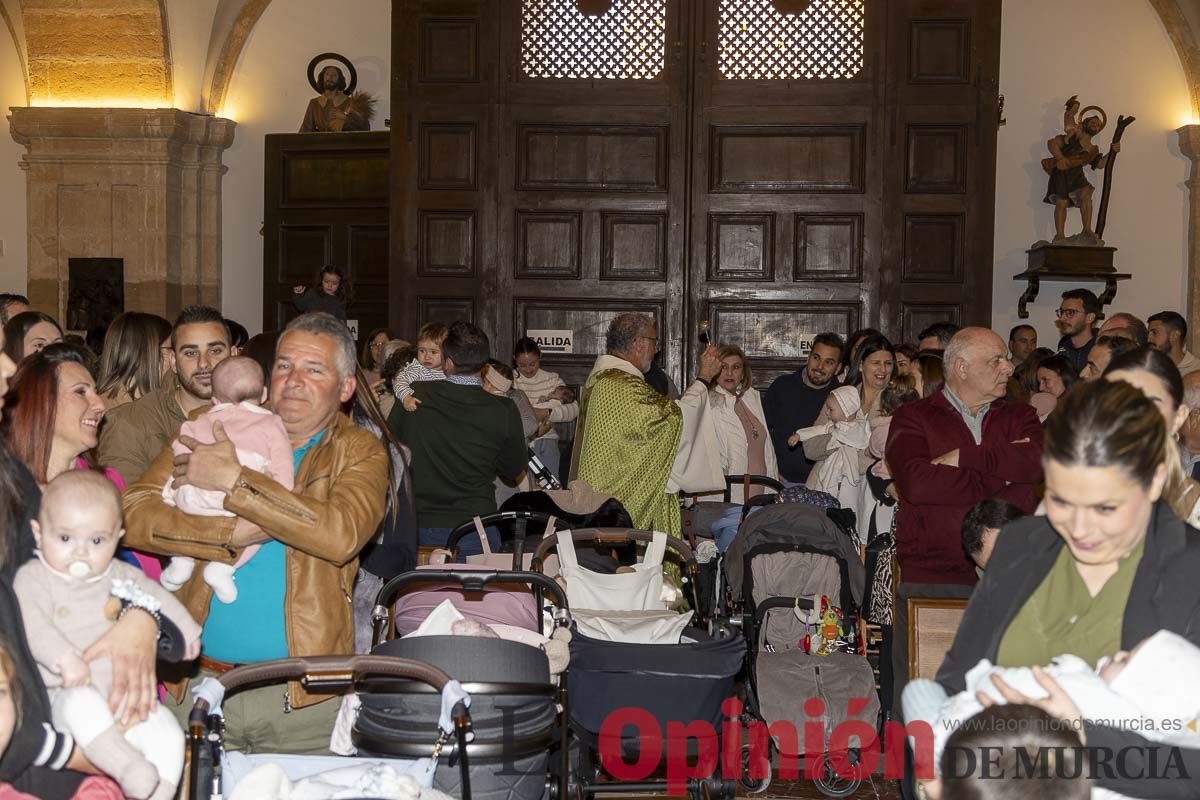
[30, 123]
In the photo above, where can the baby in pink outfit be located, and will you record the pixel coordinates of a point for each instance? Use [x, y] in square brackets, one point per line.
[262, 445]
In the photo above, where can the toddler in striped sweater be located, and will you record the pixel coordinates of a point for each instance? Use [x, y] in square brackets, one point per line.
[427, 367]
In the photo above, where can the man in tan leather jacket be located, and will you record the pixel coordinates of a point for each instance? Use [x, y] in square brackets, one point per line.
[294, 595]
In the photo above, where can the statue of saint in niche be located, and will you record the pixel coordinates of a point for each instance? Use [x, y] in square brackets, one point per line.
[1071, 151]
[338, 107]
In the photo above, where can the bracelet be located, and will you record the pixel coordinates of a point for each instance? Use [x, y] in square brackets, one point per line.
[133, 596]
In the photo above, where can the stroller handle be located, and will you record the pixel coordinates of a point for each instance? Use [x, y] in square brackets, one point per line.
[470, 580]
[765, 481]
[616, 536]
[468, 528]
[329, 672]
[321, 672]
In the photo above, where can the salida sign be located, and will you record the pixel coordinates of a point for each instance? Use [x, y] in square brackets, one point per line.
[553, 341]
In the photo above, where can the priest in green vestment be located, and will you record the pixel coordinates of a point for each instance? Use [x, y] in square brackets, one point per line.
[637, 445]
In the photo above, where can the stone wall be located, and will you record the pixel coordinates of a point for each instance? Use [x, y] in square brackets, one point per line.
[142, 185]
[98, 52]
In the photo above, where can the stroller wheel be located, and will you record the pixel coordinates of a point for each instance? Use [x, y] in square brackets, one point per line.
[753, 785]
[831, 784]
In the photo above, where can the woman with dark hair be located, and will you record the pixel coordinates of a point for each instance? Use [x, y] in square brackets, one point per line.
[1156, 375]
[552, 400]
[330, 293]
[1107, 566]
[1056, 375]
[37, 757]
[137, 356]
[238, 336]
[928, 372]
[853, 342]
[371, 358]
[874, 364]
[1023, 384]
[905, 353]
[29, 332]
[740, 423]
[393, 549]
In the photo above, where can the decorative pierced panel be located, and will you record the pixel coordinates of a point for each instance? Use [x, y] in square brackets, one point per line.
[627, 42]
[823, 42]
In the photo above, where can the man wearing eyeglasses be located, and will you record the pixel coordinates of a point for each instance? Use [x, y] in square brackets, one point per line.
[1077, 316]
[636, 445]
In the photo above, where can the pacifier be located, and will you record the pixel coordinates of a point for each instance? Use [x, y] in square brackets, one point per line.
[78, 569]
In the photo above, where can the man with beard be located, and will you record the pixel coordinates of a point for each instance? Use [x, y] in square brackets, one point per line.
[947, 452]
[794, 401]
[635, 444]
[332, 110]
[1076, 317]
[1168, 334]
[135, 433]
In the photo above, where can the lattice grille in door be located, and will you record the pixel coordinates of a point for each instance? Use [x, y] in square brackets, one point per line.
[627, 42]
[823, 42]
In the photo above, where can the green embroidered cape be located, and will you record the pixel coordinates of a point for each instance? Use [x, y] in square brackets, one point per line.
[625, 443]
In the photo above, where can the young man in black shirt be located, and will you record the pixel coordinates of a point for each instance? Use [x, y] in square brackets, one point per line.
[794, 400]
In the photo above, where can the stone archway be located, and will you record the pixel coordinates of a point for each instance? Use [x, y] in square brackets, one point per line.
[97, 53]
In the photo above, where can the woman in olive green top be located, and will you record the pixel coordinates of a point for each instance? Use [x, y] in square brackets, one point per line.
[1109, 565]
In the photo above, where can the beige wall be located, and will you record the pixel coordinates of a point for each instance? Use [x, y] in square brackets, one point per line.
[1117, 56]
[268, 94]
[12, 179]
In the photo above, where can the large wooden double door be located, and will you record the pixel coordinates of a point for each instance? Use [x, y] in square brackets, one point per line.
[776, 167]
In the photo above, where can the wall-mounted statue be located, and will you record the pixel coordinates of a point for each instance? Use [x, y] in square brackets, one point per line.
[1068, 187]
[337, 106]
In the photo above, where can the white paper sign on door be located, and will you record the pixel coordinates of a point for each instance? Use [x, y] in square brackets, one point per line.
[550, 341]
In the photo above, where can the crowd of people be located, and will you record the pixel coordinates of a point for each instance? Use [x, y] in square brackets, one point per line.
[253, 494]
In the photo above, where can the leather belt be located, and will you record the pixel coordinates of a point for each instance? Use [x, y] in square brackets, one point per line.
[217, 668]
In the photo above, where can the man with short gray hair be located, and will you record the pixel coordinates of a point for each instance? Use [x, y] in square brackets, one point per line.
[294, 593]
[947, 452]
[636, 445]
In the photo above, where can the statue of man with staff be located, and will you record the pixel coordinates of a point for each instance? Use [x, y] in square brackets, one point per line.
[1067, 187]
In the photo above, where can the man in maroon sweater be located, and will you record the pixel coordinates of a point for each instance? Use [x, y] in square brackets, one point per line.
[947, 452]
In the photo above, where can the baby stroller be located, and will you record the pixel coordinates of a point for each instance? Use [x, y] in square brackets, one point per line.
[788, 563]
[214, 774]
[517, 725]
[509, 605]
[680, 682]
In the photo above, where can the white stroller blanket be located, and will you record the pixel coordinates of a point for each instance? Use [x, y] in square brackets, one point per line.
[309, 778]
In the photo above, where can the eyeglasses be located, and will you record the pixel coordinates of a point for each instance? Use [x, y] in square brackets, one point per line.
[653, 339]
[1067, 312]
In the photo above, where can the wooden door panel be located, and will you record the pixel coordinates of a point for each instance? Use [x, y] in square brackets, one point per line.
[778, 174]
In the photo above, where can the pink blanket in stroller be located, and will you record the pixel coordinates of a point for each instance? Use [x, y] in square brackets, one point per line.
[497, 604]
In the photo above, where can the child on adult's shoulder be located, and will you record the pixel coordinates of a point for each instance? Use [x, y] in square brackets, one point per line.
[330, 293]
[426, 367]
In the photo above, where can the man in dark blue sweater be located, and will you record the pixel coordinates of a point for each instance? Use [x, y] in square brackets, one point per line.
[794, 400]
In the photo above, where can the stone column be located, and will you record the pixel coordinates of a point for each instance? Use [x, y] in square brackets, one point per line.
[143, 185]
[1189, 144]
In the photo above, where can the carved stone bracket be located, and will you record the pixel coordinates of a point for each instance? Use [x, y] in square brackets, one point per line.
[1034, 280]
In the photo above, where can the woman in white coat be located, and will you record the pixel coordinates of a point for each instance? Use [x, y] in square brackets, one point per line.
[740, 423]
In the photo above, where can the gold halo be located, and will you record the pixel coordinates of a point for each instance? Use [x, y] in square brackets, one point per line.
[1103, 116]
